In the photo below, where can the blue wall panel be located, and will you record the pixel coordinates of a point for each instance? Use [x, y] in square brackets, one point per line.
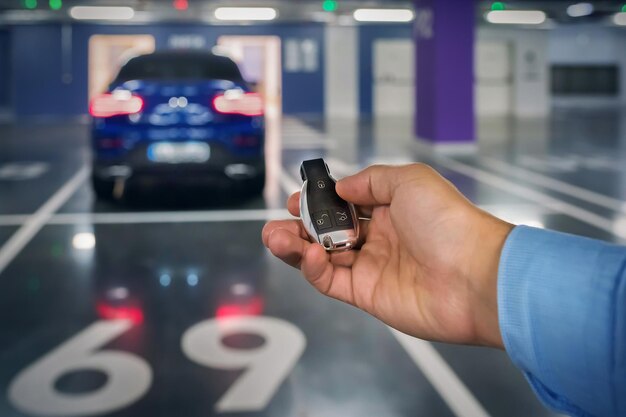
[37, 64]
[5, 69]
[368, 35]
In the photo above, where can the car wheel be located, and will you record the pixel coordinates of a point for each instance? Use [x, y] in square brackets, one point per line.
[102, 188]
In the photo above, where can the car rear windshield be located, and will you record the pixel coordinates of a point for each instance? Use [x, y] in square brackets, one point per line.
[179, 67]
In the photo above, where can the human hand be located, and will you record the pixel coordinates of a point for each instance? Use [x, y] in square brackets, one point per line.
[428, 263]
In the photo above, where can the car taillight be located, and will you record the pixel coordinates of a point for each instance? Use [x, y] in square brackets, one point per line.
[115, 104]
[237, 102]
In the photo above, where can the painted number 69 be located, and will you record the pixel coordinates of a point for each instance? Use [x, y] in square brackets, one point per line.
[129, 377]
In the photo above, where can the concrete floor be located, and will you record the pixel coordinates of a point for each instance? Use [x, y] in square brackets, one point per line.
[129, 327]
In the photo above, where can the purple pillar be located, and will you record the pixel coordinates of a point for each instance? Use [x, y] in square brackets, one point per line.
[444, 45]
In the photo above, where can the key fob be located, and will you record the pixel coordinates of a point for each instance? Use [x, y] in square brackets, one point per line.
[327, 218]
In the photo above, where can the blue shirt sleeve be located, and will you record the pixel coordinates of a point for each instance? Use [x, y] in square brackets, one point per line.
[562, 314]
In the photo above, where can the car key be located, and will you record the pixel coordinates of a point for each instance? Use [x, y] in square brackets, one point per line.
[327, 218]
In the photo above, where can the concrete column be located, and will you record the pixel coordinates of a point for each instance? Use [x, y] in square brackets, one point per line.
[444, 39]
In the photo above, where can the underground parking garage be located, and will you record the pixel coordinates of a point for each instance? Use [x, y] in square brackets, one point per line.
[145, 145]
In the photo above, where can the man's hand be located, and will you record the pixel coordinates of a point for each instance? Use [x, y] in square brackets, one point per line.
[428, 263]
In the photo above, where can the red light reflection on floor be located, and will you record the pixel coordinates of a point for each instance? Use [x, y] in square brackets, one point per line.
[109, 312]
[251, 307]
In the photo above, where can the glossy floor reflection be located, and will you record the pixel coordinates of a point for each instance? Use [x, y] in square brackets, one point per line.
[175, 308]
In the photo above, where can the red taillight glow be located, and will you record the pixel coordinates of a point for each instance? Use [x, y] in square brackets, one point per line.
[252, 307]
[246, 104]
[181, 5]
[113, 143]
[109, 105]
[109, 312]
[246, 141]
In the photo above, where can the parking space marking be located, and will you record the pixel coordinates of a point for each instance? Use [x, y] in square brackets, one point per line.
[171, 217]
[288, 183]
[13, 219]
[532, 195]
[509, 212]
[35, 222]
[441, 376]
[21, 171]
[153, 217]
[555, 185]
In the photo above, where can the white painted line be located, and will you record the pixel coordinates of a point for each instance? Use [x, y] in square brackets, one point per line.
[308, 145]
[169, 217]
[13, 219]
[219, 215]
[29, 229]
[555, 185]
[154, 217]
[340, 169]
[441, 376]
[532, 195]
[288, 183]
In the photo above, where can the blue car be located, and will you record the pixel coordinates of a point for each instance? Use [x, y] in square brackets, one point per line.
[178, 118]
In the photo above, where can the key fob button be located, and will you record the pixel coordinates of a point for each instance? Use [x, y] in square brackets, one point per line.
[320, 185]
[322, 220]
[342, 217]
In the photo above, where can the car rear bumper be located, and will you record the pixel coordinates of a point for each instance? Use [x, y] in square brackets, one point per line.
[222, 168]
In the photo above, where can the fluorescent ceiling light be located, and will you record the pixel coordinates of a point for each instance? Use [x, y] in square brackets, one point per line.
[580, 9]
[383, 15]
[101, 13]
[245, 13]
[620, 19]
[516, 17]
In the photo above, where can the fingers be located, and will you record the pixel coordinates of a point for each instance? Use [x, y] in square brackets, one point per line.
[345, 258]
[328, 273]
[293, 204]
[377, 184]
[293, 226]
[332, 280]
[287, 246]
[315, 263]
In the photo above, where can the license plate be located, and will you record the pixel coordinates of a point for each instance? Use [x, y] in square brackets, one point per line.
[179, 153]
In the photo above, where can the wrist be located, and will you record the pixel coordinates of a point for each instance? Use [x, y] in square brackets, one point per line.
[482, 278]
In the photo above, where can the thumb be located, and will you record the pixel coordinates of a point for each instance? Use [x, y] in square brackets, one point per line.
[376, 184]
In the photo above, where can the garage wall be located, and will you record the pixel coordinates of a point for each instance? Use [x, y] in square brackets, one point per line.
[5, 80]
[341, 58]
[43, 91]
[368, 36]
[587, 44]
[523, 80]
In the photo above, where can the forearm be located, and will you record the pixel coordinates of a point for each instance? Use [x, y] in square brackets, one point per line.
[561, 305]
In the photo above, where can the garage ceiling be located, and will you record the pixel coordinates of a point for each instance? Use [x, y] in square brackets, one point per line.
[289, 10]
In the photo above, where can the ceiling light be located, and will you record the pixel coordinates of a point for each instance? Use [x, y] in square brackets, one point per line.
[383, 15]
[620, 19]
[516, 17]
[580, 9]
[101, 13]
[245, 13]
